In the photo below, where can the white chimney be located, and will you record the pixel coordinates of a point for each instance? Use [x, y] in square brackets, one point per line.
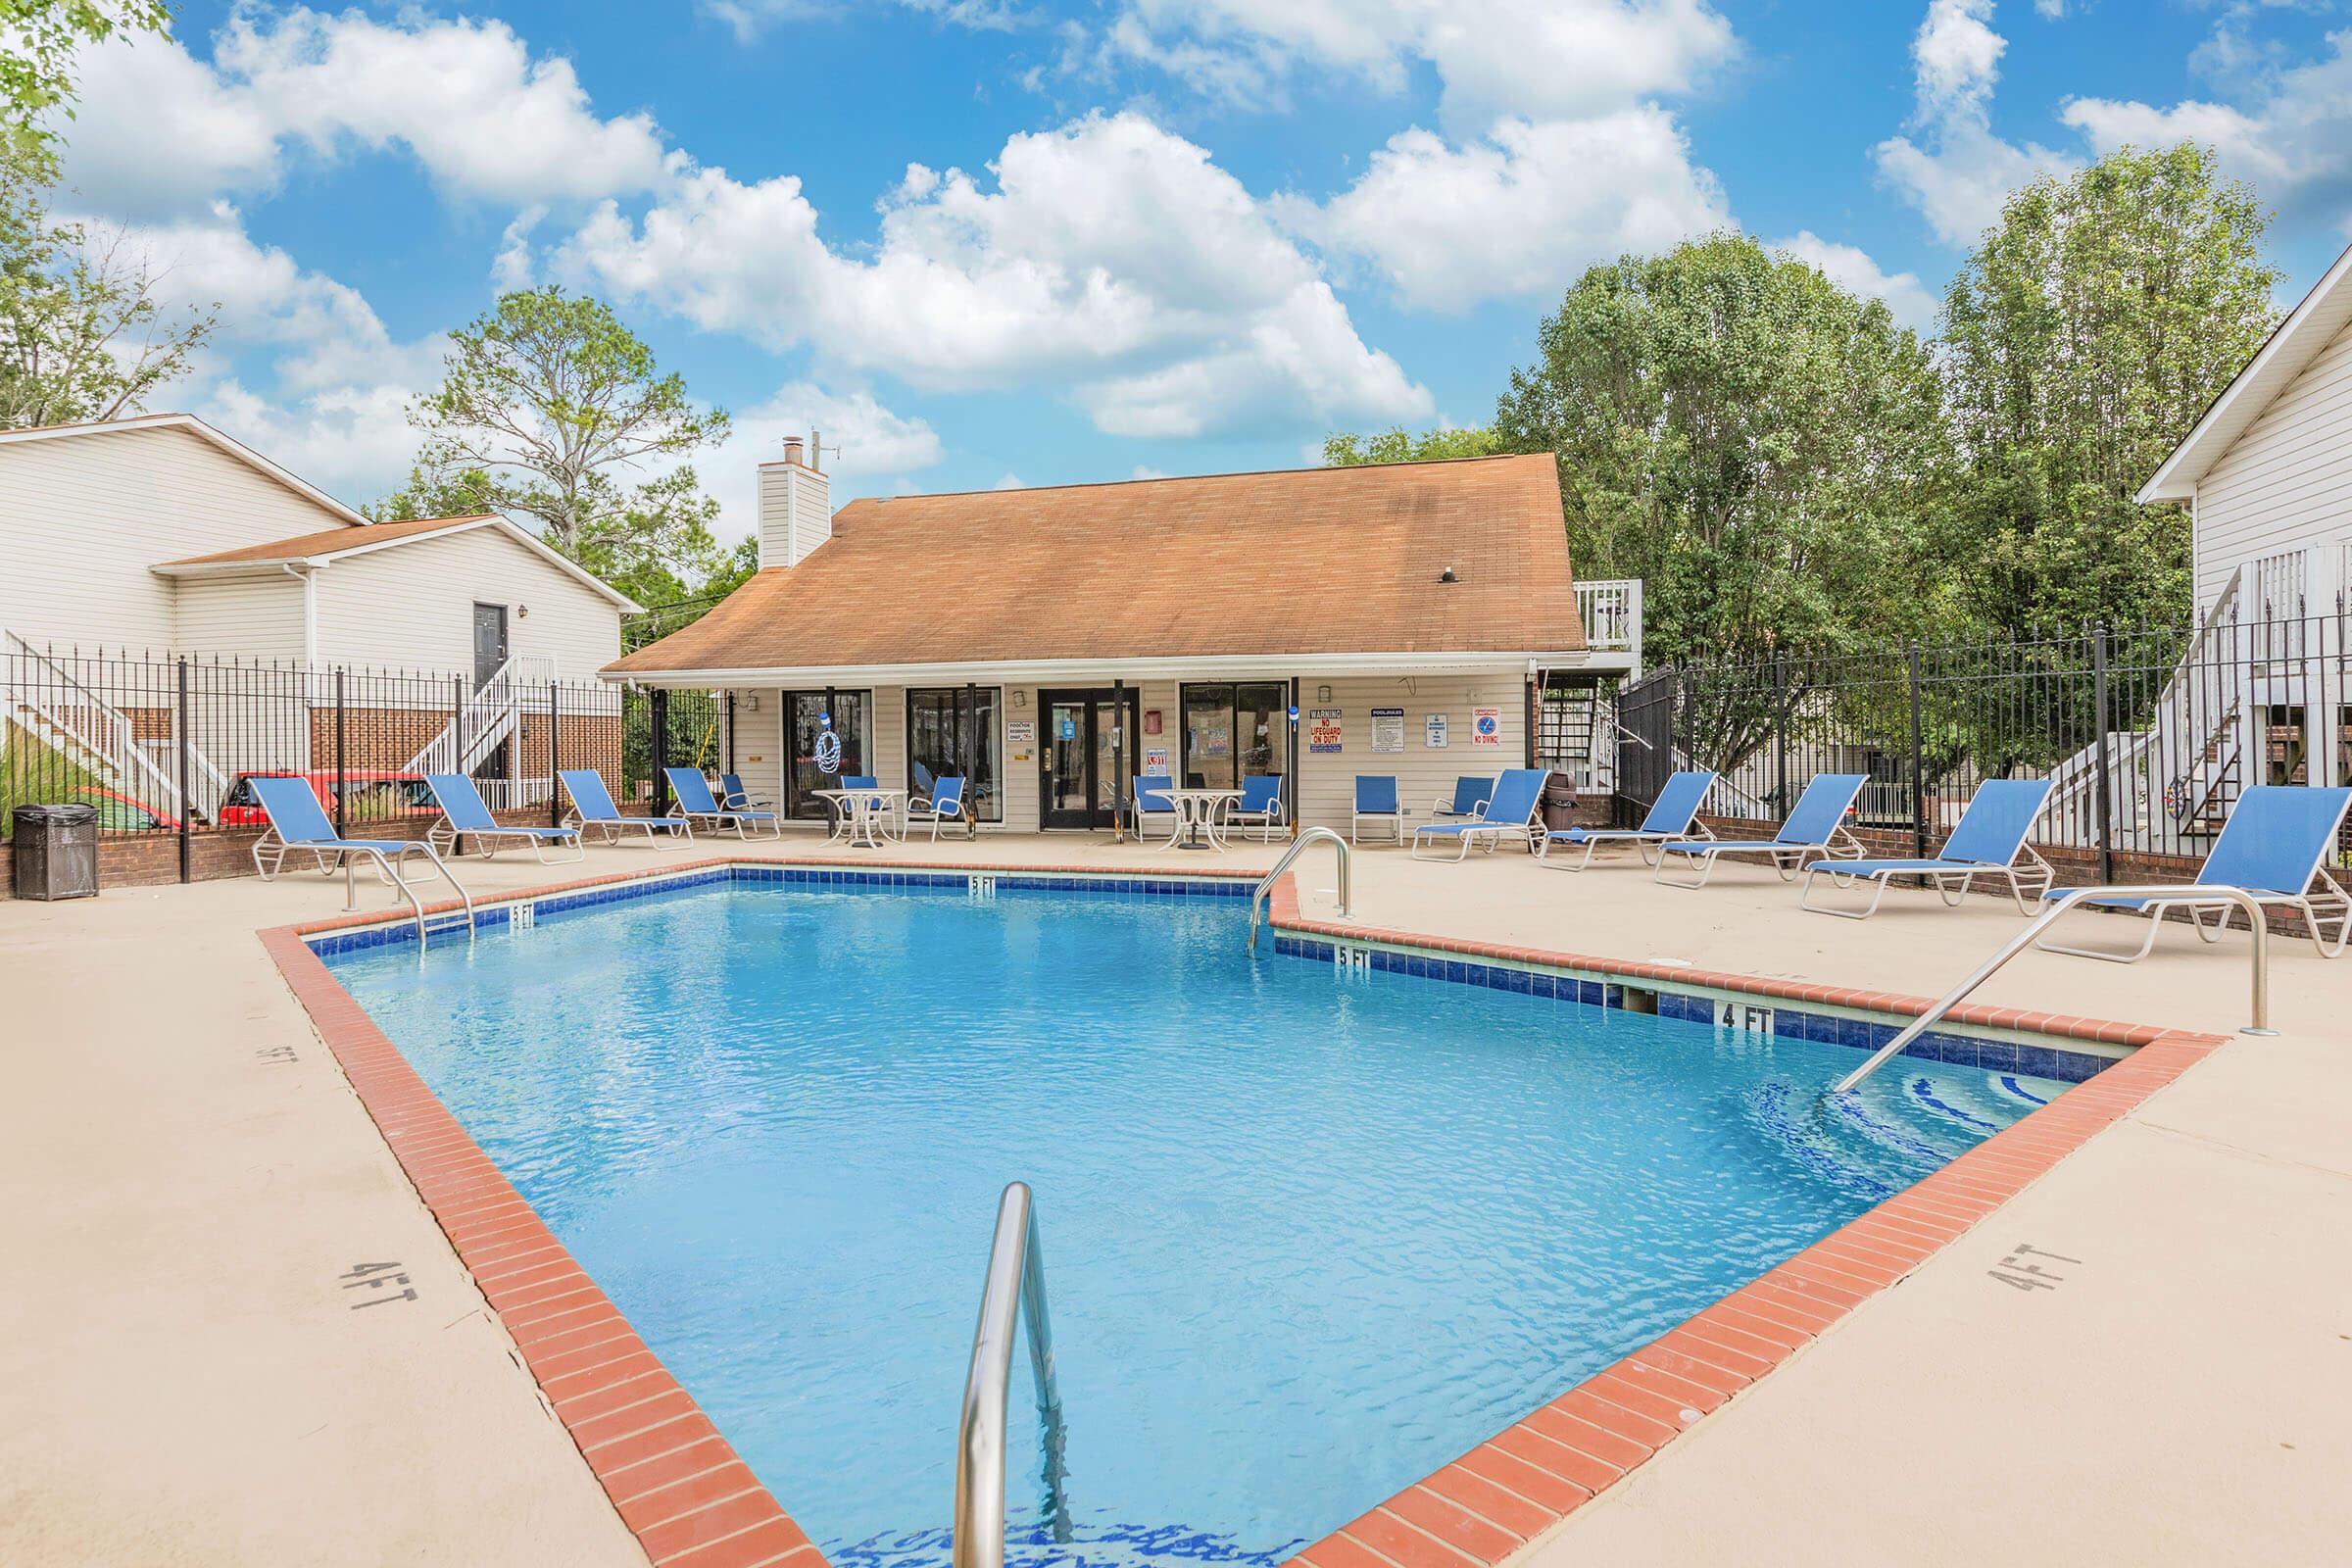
[795, 507]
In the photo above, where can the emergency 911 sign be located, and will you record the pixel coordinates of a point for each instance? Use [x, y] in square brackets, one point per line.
[1486, 726]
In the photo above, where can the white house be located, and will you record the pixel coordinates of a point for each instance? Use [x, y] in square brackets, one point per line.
[134, 543]
[2260, 694]
[2267, 473]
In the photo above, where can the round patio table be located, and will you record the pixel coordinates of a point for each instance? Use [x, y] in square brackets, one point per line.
[867, 810]
[1197, 814]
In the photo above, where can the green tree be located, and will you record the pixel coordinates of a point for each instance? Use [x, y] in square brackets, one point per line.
[37, 73]
[81, 334]
[2082, 339]
[549, 409]
[1761, 447]
[1348, 451]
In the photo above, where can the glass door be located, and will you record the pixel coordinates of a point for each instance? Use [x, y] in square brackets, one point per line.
[803, 725]
[1088, 740]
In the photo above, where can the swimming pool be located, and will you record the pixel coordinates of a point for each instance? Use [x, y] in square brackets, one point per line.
[1309, 1234]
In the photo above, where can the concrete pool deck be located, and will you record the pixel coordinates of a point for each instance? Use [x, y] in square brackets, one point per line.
[196, 1367]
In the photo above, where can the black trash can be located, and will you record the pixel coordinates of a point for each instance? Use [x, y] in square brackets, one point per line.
[56, 851]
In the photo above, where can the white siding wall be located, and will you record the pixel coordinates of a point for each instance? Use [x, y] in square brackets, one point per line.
[2286, 482]
[255, 618]
[1327, 783]
[83, 518]
[410, 606]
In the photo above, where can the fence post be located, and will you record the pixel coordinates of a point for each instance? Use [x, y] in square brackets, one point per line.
[1918, 783]
[457, 732]
[182, 728]
[1780, 735]
[660, 719]
[342, 777]
[730, 746]
[555, 729]
[2105, 798]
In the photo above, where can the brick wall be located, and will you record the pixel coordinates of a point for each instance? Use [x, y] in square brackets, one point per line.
[150, 860]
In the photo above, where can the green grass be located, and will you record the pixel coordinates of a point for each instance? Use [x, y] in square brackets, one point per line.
[34, 772]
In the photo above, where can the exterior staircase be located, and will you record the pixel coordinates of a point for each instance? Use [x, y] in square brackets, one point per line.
[42, 694]
[486, 720]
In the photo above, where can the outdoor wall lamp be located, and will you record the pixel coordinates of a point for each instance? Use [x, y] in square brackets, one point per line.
[1322, 693]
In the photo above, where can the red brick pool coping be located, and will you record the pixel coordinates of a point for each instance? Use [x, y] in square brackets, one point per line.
[680, 1487]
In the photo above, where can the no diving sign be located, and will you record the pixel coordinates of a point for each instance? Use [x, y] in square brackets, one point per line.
[1486, 726]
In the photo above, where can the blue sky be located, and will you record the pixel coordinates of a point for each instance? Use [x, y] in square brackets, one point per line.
[990, 241]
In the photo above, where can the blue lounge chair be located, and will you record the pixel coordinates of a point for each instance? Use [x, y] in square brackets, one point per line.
[1260, 805]
[1991, 838]
[693, 802]
[735, 798]
[946, 804]
[1815, 830]
[1376, 798]
[1150, 802]
[2275, 846]
[592, 807]
[1510, 814]
[1674, 815]
[1467, 803]
[298, 823]
[464, 811]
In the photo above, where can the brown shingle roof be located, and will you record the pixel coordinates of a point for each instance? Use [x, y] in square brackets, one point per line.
[1312, 561]
[325, 542]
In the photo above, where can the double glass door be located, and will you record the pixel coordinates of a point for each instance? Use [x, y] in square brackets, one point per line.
[1089, 737]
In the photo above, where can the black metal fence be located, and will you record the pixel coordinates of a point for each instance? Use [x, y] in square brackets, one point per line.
[163, 745]
[2148, 734]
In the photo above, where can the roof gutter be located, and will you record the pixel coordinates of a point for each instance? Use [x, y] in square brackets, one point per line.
[1084, 671]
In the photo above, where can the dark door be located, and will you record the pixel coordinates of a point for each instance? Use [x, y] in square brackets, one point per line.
[489, 642]
[1088, 741]
[805, 716]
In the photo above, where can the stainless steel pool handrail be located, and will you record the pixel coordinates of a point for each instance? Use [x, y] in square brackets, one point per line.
[1297, 847]
[2071, 899]
[1017, 1283]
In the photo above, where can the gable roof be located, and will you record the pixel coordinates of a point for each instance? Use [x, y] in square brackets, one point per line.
[1312, 561]
[2299, 339]
[196, 428]
[336, 544]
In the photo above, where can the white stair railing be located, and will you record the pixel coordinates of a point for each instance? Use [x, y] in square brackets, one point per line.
[63, 712]
[485, 719]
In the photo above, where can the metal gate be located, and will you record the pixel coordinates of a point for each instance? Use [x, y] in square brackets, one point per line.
[1644, 743]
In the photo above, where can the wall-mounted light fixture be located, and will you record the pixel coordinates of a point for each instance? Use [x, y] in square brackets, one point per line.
[1322, 693]
[1020, 698]
[751, 702]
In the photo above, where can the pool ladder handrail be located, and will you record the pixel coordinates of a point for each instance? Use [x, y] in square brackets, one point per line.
[389, 868]
[1016, 1284]
[1297, 847]
[2071, 899]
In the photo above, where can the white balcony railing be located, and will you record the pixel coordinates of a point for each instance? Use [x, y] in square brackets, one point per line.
[1611, 610]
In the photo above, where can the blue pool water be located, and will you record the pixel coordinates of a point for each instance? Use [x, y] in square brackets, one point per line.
[1307, 1236]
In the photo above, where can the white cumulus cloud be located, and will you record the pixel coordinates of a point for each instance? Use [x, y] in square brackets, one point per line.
[1109, 255]
[1851, 269]
[1957, 172]
[1518, 211]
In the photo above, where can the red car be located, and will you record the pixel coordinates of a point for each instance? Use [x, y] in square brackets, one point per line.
[371, 793]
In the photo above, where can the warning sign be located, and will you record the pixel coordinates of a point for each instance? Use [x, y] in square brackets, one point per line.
[1323, 730]
[1486, 726]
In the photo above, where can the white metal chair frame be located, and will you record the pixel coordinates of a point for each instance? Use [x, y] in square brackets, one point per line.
[1950, 882]
[2322, 890]
[444, 834]
[1788, 859]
